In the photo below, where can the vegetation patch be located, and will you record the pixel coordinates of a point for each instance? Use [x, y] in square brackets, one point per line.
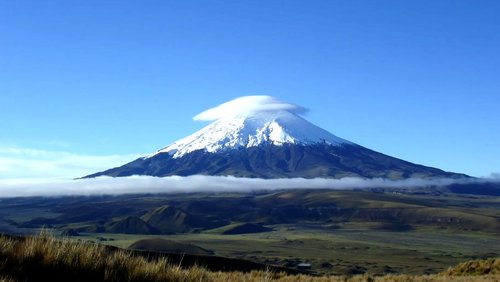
[476, 267]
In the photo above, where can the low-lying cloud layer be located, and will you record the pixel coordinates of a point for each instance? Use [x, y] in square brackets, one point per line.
[248, 105]
[198, 183]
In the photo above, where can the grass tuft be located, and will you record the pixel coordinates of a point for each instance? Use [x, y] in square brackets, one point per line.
[45, 258]
[475, 267]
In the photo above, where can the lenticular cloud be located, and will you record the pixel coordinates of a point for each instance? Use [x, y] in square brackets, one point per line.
[248, 105]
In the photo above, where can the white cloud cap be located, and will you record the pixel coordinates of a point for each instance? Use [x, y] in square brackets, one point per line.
[248, 105]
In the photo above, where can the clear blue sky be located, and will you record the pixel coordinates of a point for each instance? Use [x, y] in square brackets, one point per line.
[418, 80]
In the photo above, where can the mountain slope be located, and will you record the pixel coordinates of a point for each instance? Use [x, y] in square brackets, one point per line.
[271, 140]
[286, 161]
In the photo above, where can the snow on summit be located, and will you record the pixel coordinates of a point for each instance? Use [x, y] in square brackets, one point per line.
[251, 121]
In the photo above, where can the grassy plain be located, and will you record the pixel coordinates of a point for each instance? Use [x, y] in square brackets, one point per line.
[45, 258]
[336, 232]
[351, 250]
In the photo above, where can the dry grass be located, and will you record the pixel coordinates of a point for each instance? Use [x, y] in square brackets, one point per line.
[45, 258]
[40, 257]
[476, 267]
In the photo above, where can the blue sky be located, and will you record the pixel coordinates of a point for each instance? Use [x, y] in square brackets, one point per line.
[88, 85]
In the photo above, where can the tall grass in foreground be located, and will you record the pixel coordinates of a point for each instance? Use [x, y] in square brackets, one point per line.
[45, 258]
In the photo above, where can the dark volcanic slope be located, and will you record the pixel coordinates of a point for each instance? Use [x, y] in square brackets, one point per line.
[286, 161]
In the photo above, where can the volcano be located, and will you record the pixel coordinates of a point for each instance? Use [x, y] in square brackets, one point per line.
[263, 137]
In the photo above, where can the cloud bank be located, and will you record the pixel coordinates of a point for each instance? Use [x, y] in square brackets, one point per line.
[198, 183]
[248, 105]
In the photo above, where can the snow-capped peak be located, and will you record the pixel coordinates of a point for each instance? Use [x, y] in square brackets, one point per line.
[250, 129]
